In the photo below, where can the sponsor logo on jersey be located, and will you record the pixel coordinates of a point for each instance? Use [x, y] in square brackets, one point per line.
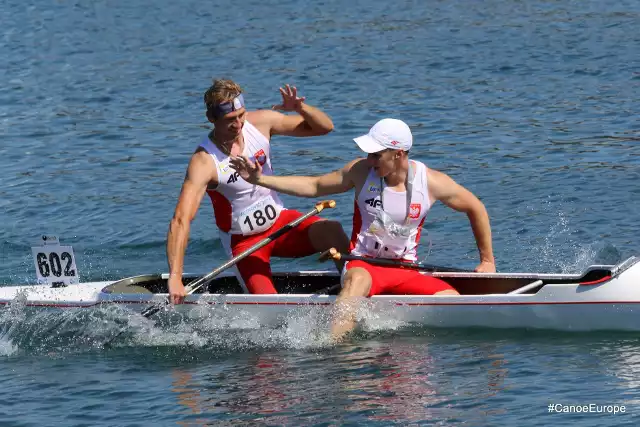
[374, 202]
[224, 167]
[233, 178]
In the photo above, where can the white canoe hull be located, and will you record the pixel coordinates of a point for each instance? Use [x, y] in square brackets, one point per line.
[562, 303]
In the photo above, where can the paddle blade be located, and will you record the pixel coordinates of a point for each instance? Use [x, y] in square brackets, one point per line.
[153, 309]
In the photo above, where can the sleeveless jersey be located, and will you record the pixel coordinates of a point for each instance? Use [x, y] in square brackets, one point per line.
[241, 207]
[388, 223]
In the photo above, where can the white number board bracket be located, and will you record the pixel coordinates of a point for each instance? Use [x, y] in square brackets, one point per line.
[55, 264]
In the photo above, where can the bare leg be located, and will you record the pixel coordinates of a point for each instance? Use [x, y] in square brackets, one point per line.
[327, 234]
[357, 283]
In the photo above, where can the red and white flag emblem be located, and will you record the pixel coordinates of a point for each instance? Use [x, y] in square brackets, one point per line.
[414, 210]
[260, 157]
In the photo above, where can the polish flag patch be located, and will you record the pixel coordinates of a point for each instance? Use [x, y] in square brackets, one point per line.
[260, 157]
[414, 210]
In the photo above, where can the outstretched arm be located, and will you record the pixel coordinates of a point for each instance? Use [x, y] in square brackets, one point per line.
[452, 194]
[338, 181]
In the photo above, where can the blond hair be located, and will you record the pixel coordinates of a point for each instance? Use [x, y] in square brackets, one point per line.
[222, 90]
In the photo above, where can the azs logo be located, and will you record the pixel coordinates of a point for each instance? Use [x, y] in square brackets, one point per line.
[373, 188]
[374, 203]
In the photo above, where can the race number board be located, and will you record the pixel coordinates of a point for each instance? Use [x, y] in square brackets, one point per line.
[55, 264]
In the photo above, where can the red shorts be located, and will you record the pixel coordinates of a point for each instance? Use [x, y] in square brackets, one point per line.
[255, 269]
[399, 281]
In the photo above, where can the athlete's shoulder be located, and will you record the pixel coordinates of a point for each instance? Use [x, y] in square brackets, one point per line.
[418, 163]
[433, 174]
[201, 158]
[358, 166]
[357, 170]
[200, 149]
[261, 117]
[263, 120]
[201, 169]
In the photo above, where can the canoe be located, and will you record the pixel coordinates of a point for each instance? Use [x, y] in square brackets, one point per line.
[602, 297]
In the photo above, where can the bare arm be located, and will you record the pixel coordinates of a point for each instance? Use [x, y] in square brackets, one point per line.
[452, 194]
[309, 121]
[338, 181]
[200, 173]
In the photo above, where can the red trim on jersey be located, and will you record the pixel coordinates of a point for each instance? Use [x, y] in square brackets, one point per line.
[221, 209]
[357, 225]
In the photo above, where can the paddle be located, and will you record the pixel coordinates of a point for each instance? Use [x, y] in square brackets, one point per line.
[333, 253]
[198, 283]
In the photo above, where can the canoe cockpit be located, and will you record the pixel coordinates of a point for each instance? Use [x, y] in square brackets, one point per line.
[328, 282]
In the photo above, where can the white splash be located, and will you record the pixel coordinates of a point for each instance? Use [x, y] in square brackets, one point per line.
[375, 317]
[6, 346]
[11, 316]
[224, 327]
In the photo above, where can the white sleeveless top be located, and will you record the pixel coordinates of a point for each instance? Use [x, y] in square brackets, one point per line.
[241, 207]
[387, 223]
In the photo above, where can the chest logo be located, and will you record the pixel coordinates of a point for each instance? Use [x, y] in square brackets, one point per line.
[373, 202]
[373, 188]
[260, 157]
[224, 167]
[414, 210]
[233, 178]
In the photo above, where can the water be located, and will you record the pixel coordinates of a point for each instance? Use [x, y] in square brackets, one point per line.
[531, 105]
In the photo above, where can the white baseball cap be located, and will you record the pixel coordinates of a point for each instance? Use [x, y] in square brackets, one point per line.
[387, 133]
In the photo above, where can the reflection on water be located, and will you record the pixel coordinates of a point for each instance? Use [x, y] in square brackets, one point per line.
[497, 374]
[624, 364]
[382, 382]
[414, 376]
[267, 392]
[391, 383]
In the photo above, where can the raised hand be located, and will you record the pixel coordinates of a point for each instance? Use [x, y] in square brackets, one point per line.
[290, 99]
[248, 170]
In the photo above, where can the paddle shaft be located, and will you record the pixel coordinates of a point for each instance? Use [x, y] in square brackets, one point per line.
[393, 263]
[197, 284]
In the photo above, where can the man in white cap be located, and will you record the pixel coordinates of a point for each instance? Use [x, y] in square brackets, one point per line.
[393, 196]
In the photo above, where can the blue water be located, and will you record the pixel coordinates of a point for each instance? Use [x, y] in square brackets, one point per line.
[531, 105]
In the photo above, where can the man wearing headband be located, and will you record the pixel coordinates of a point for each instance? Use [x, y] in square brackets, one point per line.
[244, 212]
[392, 197]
